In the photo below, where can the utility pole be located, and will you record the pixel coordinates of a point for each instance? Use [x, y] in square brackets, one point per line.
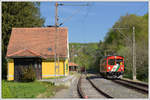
[56, 57]
[73, 55]
[134, 54]
[133, 50]
[56, 14]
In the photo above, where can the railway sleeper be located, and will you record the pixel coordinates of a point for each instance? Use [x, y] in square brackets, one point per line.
[100, 91]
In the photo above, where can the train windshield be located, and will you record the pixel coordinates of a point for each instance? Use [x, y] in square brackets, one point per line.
[119, 61]
[111, 61]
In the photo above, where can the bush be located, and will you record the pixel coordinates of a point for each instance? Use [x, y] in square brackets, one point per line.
[28, 74]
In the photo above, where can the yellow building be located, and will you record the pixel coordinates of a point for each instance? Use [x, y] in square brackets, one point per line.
[45, 49]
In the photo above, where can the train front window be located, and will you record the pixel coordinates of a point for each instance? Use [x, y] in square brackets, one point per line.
[111, 61]
[119, 61]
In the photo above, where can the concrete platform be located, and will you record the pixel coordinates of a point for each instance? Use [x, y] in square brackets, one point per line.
[135, 81]
[61, 81]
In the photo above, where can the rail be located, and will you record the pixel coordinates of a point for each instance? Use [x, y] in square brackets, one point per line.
[100, 91]
[141, 87]
[81, 93]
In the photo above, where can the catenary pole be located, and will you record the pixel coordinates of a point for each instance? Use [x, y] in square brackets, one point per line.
[56, 57]
[56, 14]
[56, 40]
[134, 54]
[133, 50]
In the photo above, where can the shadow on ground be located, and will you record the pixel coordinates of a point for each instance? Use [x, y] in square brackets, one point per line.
[97, 75]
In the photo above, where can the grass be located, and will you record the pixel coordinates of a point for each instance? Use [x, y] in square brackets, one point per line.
[29, 89]
[5, 91]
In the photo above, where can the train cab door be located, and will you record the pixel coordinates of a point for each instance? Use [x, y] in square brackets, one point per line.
[111, 65]
[120, 62]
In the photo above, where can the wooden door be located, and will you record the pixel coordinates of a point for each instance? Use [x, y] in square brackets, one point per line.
[38, 69]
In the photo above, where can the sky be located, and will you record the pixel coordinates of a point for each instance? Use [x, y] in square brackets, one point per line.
[89, 23]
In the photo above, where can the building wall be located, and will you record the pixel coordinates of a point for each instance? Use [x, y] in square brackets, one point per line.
[10, 75]
[66, 67]
[48, 68]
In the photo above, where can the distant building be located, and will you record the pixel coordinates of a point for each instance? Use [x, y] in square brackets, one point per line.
[36, 47]
[73, 66]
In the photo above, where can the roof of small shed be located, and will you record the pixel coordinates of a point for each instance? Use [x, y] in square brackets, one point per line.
[38, 42]
[73, 64]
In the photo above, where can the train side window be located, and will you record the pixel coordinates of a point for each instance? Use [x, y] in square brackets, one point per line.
[111, 61]
[105, 62]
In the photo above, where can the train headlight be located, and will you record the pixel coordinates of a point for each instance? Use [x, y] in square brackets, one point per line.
[121, 67]
[108, 67]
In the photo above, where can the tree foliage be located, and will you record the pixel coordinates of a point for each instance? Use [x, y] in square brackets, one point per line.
[84, 54]
[17, 14]
[119, 42]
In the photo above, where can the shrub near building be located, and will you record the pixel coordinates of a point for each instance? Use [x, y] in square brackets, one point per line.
[28, 74]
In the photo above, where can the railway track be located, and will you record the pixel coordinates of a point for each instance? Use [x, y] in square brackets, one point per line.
[87, 89]
[79, 89]
[95, 86]
[141, 87]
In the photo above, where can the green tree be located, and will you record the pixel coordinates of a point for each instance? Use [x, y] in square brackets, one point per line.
[116, 43]
[17, 14]
[84, 54]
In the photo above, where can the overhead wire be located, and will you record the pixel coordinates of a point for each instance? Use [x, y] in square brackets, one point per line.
[73, 14]
[136, 12]
[83, 28]
[73, 5]
[87, 13]
[68, 18]
[140, 9]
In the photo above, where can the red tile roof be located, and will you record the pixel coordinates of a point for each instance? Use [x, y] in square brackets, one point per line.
[35, 42]
[73, 64]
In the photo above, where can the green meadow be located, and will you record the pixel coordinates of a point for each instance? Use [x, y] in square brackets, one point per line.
[29, 89]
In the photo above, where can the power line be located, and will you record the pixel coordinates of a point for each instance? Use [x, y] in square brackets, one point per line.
[85, 16]
[119, 29]
[140, 9]
[87, 13]
[133, 50]
[74, 13]
[56, 57]
[68, 18]
[73, 4]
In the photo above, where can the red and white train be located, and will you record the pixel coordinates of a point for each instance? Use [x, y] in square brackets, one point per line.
[112, 66]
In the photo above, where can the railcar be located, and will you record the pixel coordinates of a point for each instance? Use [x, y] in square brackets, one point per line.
[112, 66]
[82, 69]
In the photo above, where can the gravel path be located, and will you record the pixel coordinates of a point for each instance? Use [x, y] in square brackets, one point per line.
[115, 90]
[71, 92]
